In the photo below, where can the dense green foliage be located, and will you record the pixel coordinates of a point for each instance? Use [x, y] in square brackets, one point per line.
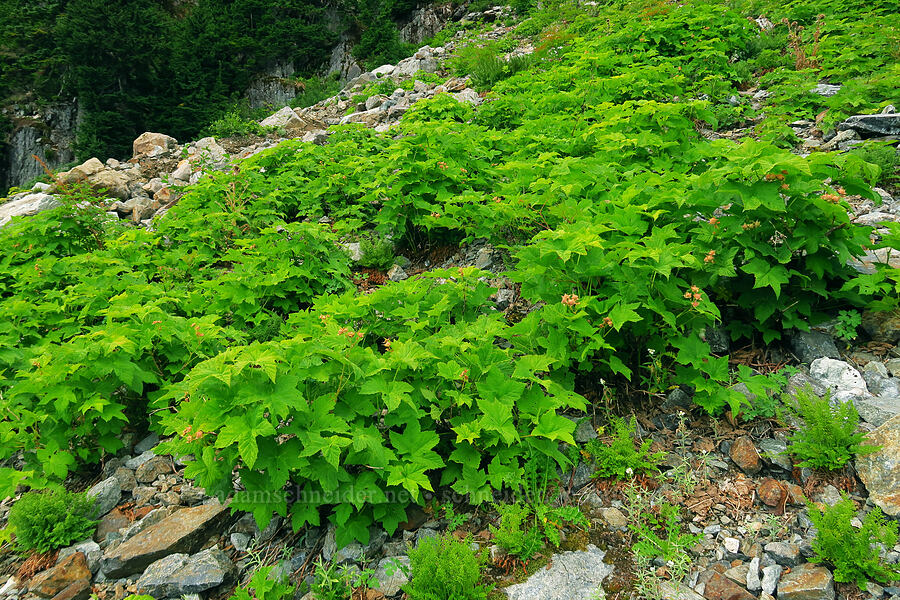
[854, 552]
[263, 586]
[444, 567]
[194, 60]
[828, 438]
[233, 327]
[619, 458]
[44, 521]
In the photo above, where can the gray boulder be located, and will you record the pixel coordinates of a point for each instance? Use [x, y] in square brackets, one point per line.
[571, 576]
[844, 381]
[179, 574]
[873, 125]
[810, 345]
[106, 495]
[391, 575]
[880, 470]
[27, 205]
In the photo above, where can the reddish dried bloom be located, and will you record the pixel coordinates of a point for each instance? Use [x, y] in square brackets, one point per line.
[711, 256]
[570, 299]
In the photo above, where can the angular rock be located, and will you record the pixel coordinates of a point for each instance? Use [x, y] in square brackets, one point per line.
[282, 118]
[208, 149]
[115, 184]
[771, 492]
[880, 470]
[82, 171]
[484, 258]
[396, 273]
[771, 575]
[732, 545]
[883, 326]
[614, 518]
[90, 549]
[807, 582]
[677, 591]
[151, 145]
[744, 454]
[878, 410]
[775, 452]
[113, 521]
[183, 531]
[55, 579]
[720, 587]
[126, 479]
[571, 576]
[77, 590]
[784, 553]
[106, 495]
[754, 583]
[183, 171]
[390, 575]
[179, 574]
[873, 125]
[153, 468]
[810, 345]
[30, 204]
[825, 89]
[844, 381]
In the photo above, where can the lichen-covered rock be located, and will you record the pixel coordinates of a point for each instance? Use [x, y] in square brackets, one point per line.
[179, 574]
[183, 531]
[807, 582]
[880, 470]
[57, 578]
[106, 495]
[571, 576]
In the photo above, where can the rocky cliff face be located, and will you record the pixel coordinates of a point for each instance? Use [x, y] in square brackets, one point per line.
[46, 132]
[426, 22]
[49, 132]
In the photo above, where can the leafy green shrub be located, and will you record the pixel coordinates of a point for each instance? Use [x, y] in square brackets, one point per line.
[262, 587]
[516, 533]
[486, 66]
[44, 521]
[377, 253]
[620, 458]
[444, 567]
[848, 321]
[524, 528]
[828, 438]
[315, 89]
[883, 155]
[854, 553]
[659, 534]
[234, 124]
[300, 409]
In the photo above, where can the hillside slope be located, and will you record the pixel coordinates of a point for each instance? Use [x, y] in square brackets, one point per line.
[438, 296]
